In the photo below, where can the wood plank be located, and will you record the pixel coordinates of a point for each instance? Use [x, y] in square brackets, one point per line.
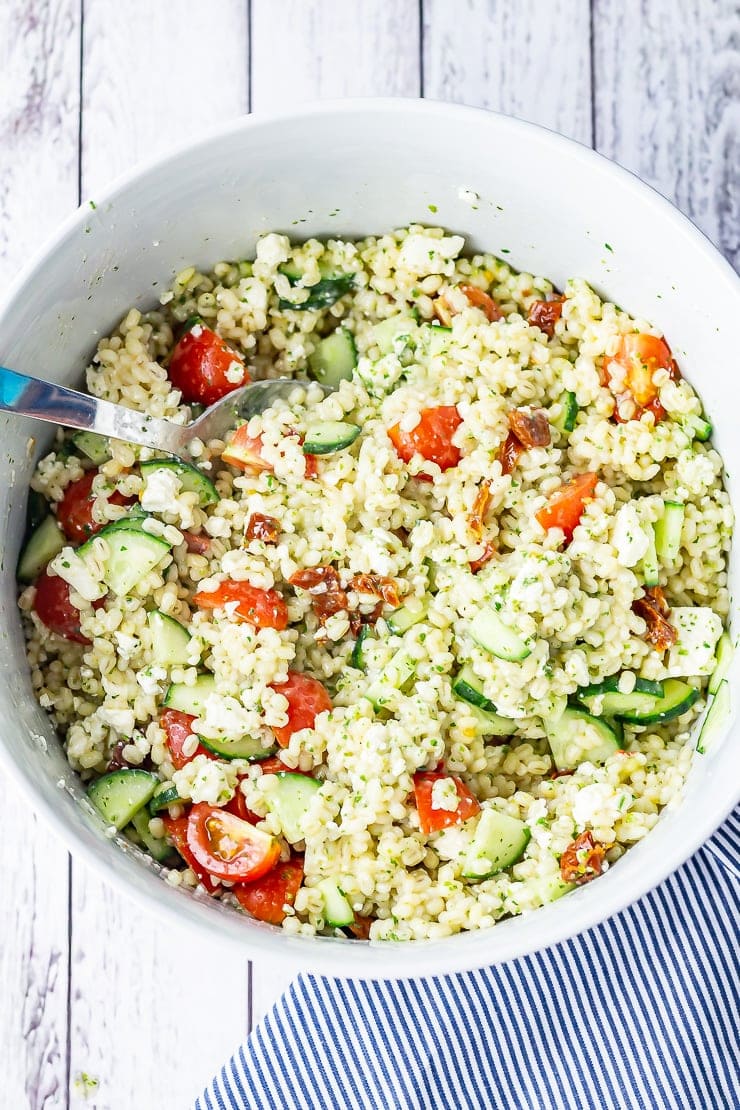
[667, 103]
[39, 75]
[329, 48]
[530, 59]
[141, 991]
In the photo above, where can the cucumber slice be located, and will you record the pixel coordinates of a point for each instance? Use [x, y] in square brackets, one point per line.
[334, 358]
[566, 421]
[724, 655]
[616, 705]
[668, 531]
[290, 801]
[337, 910]
[46, 541]
[157, 847]
[37, 510]
[132, 553]
[357, 658]
[576, 737]
[170, 640]
[550, 887]
[329, 436]
[192, 480]
[405, 617]
[391, 335]
[490, 633]
[394, 676]
[323, 294]
[491, 724]
[119, 795]
[94, 446]
[437, 338]
[246, 747]
[468, 686]
[498, 842]
[717, 717]
[650, 565]
[164, 796]
[610, 685]
[678, 697]
[698, 427]
[190, 699]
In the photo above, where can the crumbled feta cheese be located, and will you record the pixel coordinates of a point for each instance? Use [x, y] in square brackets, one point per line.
[206, 780]
[74, 570]
[600, 804]
[273, 249]
[445, 796]
[151, 680]
[160, 491]
[225, 716]
[630, 536]
[218, 527]
[425, 254]
[699, 628]
[235, 373]
[122, 720]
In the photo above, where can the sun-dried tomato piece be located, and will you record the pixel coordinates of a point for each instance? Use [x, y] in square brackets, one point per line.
[545, 315]
[655, 611]
[262, 527]
[377, 585]
[509, 453]
[488, 552]
[360, 927]
[532, 428]
[325, 589]
[476, 520]
[478, 298]
[197, 544]
[582, 860]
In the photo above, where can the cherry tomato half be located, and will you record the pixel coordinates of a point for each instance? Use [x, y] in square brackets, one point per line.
[55, 609]
[566, 505]
[432, 820]
[266, 898]
[177, 830]
[260, 608]
[199, 366]
[75, 509]
[178, 726]
[431, 438]
[306, 699]
[227, 847]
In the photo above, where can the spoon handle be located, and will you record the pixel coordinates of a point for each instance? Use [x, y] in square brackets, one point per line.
[58, 405]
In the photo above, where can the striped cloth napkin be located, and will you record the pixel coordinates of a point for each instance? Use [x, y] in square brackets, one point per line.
[640, 1012]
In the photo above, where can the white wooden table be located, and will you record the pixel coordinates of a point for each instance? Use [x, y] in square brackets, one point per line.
[89, 984]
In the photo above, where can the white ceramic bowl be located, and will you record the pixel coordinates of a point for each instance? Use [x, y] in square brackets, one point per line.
[353, 168]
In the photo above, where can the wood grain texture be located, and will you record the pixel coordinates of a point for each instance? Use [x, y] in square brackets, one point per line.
[156, 75]
[530, 59]
[153, 1011]
[39, 72]
[667, 103]
[330, 48]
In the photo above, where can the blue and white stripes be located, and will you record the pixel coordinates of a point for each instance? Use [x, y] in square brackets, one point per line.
[640, 1012]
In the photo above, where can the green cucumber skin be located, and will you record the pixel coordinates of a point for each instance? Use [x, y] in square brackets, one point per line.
[119, 795]
[192, 479]
[330, 437]
[46, 541]
[611, 686]
[164, 796]
[248, 749]
[323, 294]
[689, 695]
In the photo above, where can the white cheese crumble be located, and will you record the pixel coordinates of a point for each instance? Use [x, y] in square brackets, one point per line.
[425, 254]
[205, 780]
[699, 628]
[630, 536]
[600, 804]
[151, 680]
[160, 491]
[235, 373]
[74, 570]
[273, 249]
[122, 720]
[445, 796]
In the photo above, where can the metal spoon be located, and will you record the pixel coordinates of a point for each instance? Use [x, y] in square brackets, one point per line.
[59, 405]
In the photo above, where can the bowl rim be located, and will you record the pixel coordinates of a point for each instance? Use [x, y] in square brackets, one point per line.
[396, 960]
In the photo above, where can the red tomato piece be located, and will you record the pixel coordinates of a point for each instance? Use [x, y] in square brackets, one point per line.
[238, 806]
[306, 699]
[582, 860]
[260, 608]
[638, 357]
[74, 511]
[431, 438]
[266, 898]
[55, 609]
[262, 527]
[245, 452]
[199, 365]
[178, 726]
[431, 819]
[478, 298]
[177, 830]
[509, 452]
[545, 315]
[227, 847]
[274, 764]
[197, 545]
[566, 505]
